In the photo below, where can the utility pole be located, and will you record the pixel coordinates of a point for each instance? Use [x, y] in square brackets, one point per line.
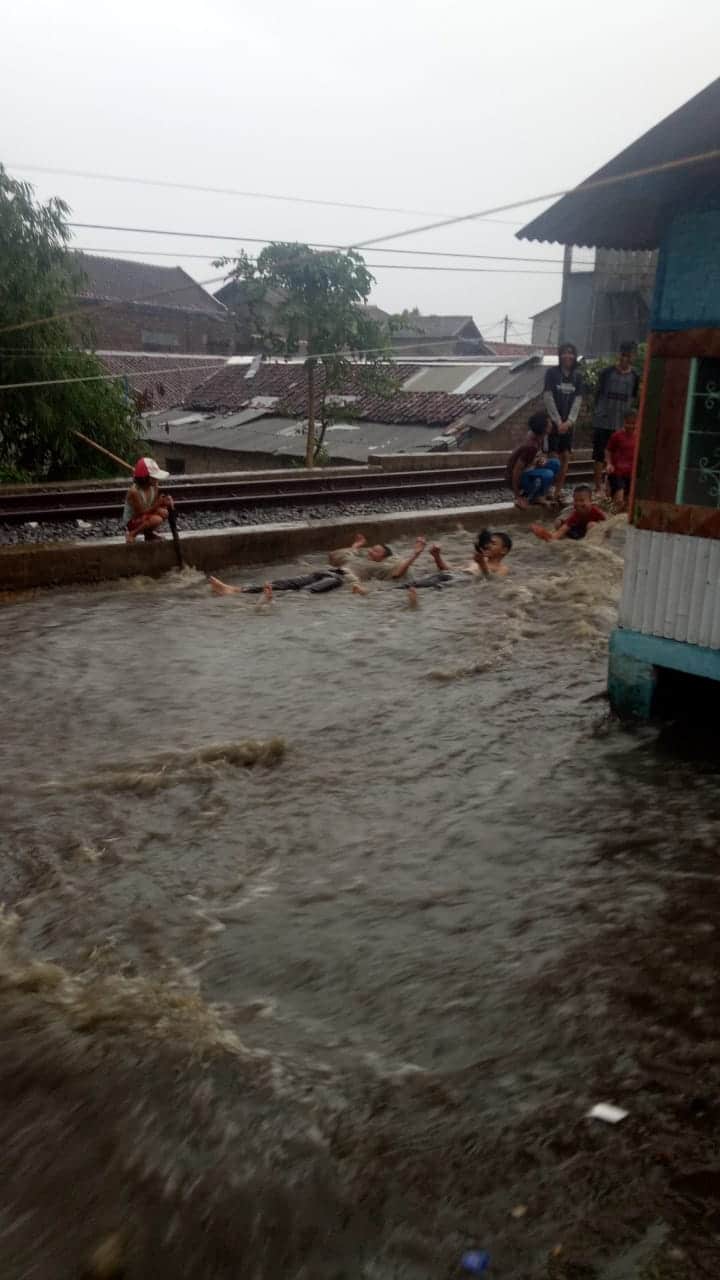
[506, 322]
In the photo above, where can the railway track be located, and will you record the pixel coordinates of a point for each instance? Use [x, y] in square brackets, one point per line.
[224, 495]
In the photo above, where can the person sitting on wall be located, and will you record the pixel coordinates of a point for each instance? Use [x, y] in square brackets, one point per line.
[529, 473]
[617, 390]
[562, 398]
[351, 565]
[146, 508]
[576, 524]
[620, 460]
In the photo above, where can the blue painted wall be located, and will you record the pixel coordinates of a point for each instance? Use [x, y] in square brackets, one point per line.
[687, 287]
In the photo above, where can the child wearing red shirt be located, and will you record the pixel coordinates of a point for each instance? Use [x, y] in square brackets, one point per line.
[575, 525]
[620, 460]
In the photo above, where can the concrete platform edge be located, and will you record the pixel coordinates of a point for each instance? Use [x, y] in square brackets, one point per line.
[24, 568]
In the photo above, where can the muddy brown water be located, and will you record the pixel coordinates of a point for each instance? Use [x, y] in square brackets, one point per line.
[341, 1011]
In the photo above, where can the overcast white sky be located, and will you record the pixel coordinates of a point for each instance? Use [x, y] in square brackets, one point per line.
[439, 107]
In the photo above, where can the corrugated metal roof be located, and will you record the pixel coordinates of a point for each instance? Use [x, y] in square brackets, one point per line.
[525, 385]
[252, 432]
[634, 213]
[435, 327]
[456, 378]
[205, 431]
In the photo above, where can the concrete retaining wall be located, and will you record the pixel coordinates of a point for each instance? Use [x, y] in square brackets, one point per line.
[24, 568]
[438, 461]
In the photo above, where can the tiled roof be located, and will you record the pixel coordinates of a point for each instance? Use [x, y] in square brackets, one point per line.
[149, 375]
[229, 389]
[124, 281]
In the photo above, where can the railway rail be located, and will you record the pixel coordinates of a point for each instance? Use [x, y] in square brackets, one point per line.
[224, 495]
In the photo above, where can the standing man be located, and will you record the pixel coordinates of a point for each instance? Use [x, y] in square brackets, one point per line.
[616, 392]
[563, 400]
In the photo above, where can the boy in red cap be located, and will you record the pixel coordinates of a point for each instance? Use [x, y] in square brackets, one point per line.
[145, 507]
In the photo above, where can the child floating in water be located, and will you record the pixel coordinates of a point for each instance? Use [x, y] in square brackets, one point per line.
[575, 525]
[490, 551]
[145, 507]
[349, 565]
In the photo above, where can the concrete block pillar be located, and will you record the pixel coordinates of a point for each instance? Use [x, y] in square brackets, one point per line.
[632, 683]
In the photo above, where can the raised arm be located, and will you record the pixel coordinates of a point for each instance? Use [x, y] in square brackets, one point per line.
[405, 565]
[437, 555]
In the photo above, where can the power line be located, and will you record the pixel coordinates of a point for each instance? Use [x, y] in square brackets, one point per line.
[311, 244]
[221, 191]
[550, 195]
[372, 266]
[101, 377]
[135, 373]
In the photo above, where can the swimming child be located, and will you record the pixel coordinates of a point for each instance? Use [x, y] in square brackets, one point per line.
[575, 525]
[490, 549]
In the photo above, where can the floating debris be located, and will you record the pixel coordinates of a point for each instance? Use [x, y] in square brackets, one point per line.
[607, 1112]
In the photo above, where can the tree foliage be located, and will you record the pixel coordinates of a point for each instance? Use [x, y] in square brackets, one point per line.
[321, 311]
[38, 279]
[592, 369]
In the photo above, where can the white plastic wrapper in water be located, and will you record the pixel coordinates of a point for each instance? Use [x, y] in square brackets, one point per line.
[607, 1112]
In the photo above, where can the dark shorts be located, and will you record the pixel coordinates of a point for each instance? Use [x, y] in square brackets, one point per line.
[600, 438]
[577, 531]
[619, 484]
[560, 442]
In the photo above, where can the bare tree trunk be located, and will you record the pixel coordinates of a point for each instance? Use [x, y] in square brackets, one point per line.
[310, 441]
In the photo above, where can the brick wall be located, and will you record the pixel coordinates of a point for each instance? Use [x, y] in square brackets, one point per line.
[129, 327]
[199, 461]
[514, 429]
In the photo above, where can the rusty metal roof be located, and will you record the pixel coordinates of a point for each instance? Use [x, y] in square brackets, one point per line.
[633, 213]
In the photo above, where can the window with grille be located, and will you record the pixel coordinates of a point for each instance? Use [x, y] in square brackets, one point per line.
[699, 472]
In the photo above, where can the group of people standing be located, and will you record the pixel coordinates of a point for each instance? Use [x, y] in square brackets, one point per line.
[537, 469]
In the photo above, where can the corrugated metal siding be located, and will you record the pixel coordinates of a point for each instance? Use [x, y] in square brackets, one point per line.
[671, 587]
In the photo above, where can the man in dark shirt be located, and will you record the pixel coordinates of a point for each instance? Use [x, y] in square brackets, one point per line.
[563, 400]
[528, 472]
[617, 391]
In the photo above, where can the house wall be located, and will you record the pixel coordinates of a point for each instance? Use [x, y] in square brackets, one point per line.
[514, 429]
[129, 327]
[546, 327]
[670, 608]
[688, 285]
[199, 461]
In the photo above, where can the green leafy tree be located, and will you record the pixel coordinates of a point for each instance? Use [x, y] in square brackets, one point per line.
[592, 369]
[322, 296]
[38, 280]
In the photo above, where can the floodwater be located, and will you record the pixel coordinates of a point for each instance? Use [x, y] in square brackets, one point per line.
[336, 1005]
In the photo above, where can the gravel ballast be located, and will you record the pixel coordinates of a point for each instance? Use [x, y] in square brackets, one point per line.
[71, 530]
